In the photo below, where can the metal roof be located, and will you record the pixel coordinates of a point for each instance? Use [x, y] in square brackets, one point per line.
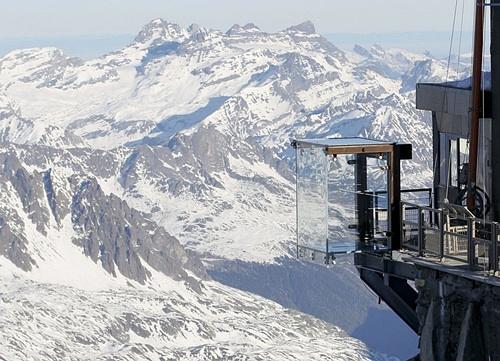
[339, 142]
[465, 83]
[453, 98]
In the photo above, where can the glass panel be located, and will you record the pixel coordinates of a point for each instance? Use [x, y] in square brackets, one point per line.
[454, 153]
[443, 159]
[342, 203]
[312, 215]
[453, 163]
[431, 230]
[483, 244]
[377, 183]
[410, 236]
[464, 150]
[343, 220]
[455, 244]
[358, 202]
[377, 171]
[420, 197]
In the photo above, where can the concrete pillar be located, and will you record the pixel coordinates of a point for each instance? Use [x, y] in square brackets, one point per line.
[471, 346]
[427, 338]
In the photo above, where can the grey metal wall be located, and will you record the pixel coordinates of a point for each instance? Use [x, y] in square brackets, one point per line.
[495, 89]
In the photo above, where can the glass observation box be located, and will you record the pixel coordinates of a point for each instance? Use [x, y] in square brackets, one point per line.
[347, 189]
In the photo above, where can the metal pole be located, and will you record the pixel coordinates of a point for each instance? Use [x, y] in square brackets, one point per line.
[494, 237]
[476, 102]
[420, 232]
[441, 234]
[402, 223]
[470, 243]
[297, 200]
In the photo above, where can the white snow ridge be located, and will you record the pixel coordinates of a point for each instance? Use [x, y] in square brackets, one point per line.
[132, 186]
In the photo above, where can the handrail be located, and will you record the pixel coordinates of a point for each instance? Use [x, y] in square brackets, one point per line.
[471, 240]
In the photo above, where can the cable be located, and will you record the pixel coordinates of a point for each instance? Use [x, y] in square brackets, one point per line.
[446, 88]
[449, 52]
[460, 40]
[451, 40]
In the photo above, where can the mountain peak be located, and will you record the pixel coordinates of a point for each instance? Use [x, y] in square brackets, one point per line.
[249, 28]
[377, 50]
[160, 30]
[358, 49]
[193, 28]
[305, 27]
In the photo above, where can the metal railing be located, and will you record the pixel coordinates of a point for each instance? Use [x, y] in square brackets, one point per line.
[419, 196]
[443, 233]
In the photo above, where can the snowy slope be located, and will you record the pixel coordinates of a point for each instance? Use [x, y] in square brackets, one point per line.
[83, 276]
[223, 107]
[175, 149]
[170, 322]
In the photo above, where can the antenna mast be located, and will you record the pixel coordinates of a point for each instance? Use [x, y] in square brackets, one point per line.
[476, 103]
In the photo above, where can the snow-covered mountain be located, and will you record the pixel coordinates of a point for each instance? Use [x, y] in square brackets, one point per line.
[53, 322]
[171, 157]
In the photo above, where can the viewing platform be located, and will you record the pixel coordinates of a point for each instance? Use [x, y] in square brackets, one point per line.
[349, 200]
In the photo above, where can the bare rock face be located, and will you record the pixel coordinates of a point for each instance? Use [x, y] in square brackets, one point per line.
[122, 238]
[12, 246]
[306, 27]
[114, 235]
[159, 31]
[29, 188]
[20, 192]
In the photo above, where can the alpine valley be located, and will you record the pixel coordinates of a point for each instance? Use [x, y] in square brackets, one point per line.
[147, 197]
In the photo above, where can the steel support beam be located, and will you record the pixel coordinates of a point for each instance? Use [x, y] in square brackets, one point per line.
[401, 299]
[404, 270]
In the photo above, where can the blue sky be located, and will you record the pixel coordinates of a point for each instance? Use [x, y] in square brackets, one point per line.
[113, 20]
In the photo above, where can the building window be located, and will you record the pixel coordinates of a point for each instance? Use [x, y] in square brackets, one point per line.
[454, 162]
[454, 157]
